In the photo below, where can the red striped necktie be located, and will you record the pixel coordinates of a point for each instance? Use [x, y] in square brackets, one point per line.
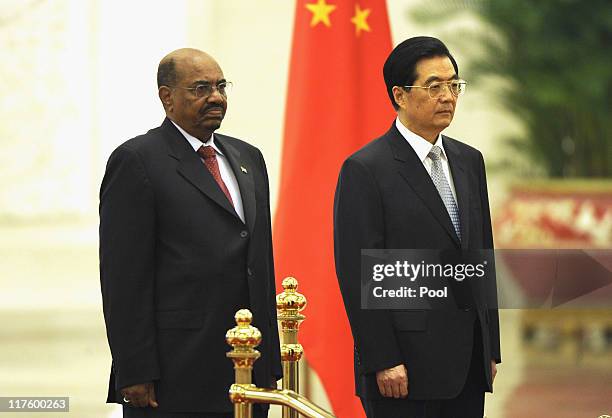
[209, 155]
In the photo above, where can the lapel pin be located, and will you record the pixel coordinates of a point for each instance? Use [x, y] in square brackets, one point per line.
[244, 170]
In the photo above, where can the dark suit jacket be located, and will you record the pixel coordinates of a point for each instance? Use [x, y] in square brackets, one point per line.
[176, 263]
[385, 198]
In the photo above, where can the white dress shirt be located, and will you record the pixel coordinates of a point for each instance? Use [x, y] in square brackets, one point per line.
[422, 147]
[224, 168]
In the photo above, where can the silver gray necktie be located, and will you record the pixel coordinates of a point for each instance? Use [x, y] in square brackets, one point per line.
[439, 180]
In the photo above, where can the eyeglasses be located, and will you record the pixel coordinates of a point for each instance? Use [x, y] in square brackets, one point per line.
[205, 90]
[435, 89]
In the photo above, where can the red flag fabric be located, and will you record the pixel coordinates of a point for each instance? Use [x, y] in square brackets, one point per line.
[336, 103]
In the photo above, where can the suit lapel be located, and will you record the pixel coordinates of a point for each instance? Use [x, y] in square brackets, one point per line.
[191, 168]
[244, 175]
[462, 188]
[414, 173]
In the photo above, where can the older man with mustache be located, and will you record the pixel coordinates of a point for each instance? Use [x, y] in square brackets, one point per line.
[185, 241]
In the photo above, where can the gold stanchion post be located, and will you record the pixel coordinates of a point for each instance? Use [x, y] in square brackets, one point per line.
[289, 304]
[243, 338]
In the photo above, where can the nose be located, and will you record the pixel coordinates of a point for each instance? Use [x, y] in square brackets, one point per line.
[446, 95]
[216, 96]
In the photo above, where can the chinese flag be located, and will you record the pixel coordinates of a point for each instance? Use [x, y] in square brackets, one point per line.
[336, 103]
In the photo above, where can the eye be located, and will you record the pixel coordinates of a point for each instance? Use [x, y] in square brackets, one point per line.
[435, 88]
[202, 90]
[221, 87]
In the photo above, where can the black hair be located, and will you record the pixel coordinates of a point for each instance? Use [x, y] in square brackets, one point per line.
[400, 66]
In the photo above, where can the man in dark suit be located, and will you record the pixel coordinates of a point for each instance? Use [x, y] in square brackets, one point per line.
[414, 188]
[185, 241]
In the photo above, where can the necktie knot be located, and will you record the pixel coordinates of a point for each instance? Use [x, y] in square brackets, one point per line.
[207, 152]
[435, 153]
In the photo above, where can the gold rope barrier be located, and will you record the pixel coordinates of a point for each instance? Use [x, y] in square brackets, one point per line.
[244, 338]
[287, 398]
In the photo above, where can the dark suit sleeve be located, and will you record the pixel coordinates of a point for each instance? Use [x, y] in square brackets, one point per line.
[488, 244]
[127, 248]
[276, 368]
[358, 224]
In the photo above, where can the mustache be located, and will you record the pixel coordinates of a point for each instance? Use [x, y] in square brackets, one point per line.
[211, 107]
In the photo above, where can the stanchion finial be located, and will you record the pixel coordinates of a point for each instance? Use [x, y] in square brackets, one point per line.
[290, 302]
[243, 337]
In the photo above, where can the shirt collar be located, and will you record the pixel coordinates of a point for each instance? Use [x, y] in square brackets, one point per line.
[420, 145]
[196, 143]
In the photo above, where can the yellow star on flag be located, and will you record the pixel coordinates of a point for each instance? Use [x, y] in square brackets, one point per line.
[320, 12]
[360, 20]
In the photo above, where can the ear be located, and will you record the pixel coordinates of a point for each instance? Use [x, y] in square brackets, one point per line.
[399, 95]
[165, 95]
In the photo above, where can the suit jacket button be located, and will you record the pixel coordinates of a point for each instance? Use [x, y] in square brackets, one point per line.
[244, 234]
[249, 272]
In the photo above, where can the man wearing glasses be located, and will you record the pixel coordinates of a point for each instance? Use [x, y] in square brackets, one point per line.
[185, 242]
[414, 188]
